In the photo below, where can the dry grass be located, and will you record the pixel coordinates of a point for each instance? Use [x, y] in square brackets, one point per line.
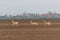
[26, 32]
[29, 34]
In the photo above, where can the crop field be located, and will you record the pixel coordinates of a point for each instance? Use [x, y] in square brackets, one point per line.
[24, 30]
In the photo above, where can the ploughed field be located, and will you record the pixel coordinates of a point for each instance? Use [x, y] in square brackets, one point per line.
[25, 31]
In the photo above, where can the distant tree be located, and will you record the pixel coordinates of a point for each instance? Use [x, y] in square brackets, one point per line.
[6, 15]
[49, 12]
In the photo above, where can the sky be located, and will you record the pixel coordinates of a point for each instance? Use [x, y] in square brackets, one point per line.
[32, 6]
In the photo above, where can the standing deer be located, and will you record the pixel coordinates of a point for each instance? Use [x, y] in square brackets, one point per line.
[14, 23]
[34, 23]
[47, 23]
